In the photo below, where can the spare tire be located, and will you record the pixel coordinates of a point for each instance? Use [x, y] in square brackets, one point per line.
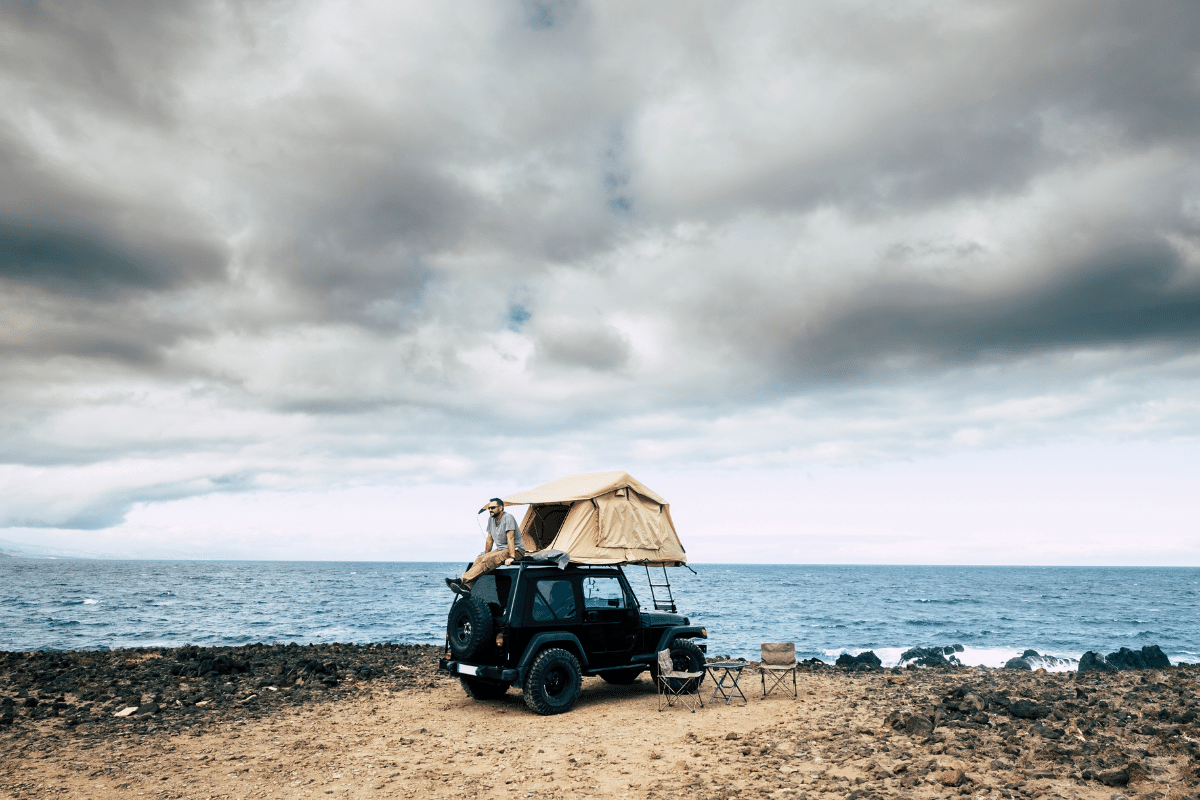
[469, 627]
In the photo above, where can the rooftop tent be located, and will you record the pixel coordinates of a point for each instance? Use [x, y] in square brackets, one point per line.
[600, 518]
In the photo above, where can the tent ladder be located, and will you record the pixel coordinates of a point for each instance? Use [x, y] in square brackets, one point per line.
[662, 600]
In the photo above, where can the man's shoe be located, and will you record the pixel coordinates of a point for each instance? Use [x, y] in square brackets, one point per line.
[462, 588]
[452, 584]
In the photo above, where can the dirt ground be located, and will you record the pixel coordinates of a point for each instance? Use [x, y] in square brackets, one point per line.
[917, 733]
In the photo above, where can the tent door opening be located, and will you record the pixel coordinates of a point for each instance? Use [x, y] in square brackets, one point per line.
[662, 599]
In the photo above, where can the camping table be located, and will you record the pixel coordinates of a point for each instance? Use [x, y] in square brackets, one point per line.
[720, 672]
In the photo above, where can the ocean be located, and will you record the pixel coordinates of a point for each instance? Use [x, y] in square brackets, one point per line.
[994, 613]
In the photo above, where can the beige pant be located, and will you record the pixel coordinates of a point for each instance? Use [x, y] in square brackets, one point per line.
[486, 562]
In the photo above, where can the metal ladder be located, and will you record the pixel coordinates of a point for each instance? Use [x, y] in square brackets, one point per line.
[666, 604]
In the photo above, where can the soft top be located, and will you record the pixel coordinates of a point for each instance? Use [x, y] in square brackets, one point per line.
[601, 518]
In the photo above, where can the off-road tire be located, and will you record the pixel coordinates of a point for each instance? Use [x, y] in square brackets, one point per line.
[621, 677]
[469, 627]
[480, 689]
[686, 656]
[552, 685]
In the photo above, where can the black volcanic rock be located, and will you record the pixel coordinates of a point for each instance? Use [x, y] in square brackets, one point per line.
[1149, 657]
[1027, 709]
[1094, 662]
[166, 685]
[867, 660]
[932, 656]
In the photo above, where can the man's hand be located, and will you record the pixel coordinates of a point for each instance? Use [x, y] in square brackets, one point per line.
[507, 561]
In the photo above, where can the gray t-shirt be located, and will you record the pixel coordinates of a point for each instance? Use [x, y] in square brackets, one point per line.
[499, 532]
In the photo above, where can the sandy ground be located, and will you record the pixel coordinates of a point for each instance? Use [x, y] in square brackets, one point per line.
[834, 740]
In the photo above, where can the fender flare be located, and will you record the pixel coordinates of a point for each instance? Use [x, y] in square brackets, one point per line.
[539, 642]
[680, 632]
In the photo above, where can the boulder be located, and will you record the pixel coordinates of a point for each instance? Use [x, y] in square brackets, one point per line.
[932, 656]
[1024, 661]
[862, 661]
[952, 777]
[1126, 659]
[918, 726]
[1094, 662]
[1027, 709]
[1114, 777]
[1149, 657]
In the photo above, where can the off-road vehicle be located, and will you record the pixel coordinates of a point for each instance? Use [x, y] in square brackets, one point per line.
[542, 629]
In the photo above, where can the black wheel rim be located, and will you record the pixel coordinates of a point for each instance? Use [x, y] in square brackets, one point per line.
[556, 681]
[463, 631]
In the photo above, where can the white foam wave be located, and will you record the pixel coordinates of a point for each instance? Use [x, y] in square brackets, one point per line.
[91, 601]
[994, 657]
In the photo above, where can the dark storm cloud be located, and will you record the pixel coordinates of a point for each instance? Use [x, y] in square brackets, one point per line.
[1132, 292]
[360, 253]
[67, 238]
[1042, 87]
[1134, 65]
[72, 257]
[119, 55]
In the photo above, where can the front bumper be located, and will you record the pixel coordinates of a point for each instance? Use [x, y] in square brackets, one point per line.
[477, 670]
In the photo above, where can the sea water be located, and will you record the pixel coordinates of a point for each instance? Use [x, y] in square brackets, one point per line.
[994, 613]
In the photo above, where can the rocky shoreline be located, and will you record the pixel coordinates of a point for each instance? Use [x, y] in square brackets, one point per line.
[854, 733]
[177, 689]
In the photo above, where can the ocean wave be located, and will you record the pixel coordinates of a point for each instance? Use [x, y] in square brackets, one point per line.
[91, 601]
[952, 601]
[994, 657]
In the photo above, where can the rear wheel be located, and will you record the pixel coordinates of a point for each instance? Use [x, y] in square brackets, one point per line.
[621, 676]
[552, 685]
[481, 689]
[469, 627]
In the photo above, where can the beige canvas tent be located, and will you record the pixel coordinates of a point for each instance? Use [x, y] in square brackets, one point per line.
[600, 518]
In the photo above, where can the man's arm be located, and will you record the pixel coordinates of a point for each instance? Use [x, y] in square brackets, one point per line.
[512, 547]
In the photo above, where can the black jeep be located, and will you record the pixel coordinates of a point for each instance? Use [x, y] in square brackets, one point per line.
[543, 628]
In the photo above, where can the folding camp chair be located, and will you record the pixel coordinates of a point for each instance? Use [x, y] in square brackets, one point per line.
[777, 659]
[673, 685]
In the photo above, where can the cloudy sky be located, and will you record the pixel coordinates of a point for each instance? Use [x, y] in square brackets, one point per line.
[856, 282]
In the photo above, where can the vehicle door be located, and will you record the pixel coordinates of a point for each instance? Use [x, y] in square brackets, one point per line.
[610, 620]
[552, 603]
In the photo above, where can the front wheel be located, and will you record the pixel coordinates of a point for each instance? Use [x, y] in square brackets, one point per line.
[553, 683]
[686, 656]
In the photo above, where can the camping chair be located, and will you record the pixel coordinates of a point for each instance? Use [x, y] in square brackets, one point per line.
[674, 685]
[777, 659]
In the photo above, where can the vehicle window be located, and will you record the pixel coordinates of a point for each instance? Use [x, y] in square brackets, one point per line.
[604, 592]
[553, 600]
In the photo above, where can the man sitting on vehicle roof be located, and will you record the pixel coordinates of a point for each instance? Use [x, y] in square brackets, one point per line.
[503, 532]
